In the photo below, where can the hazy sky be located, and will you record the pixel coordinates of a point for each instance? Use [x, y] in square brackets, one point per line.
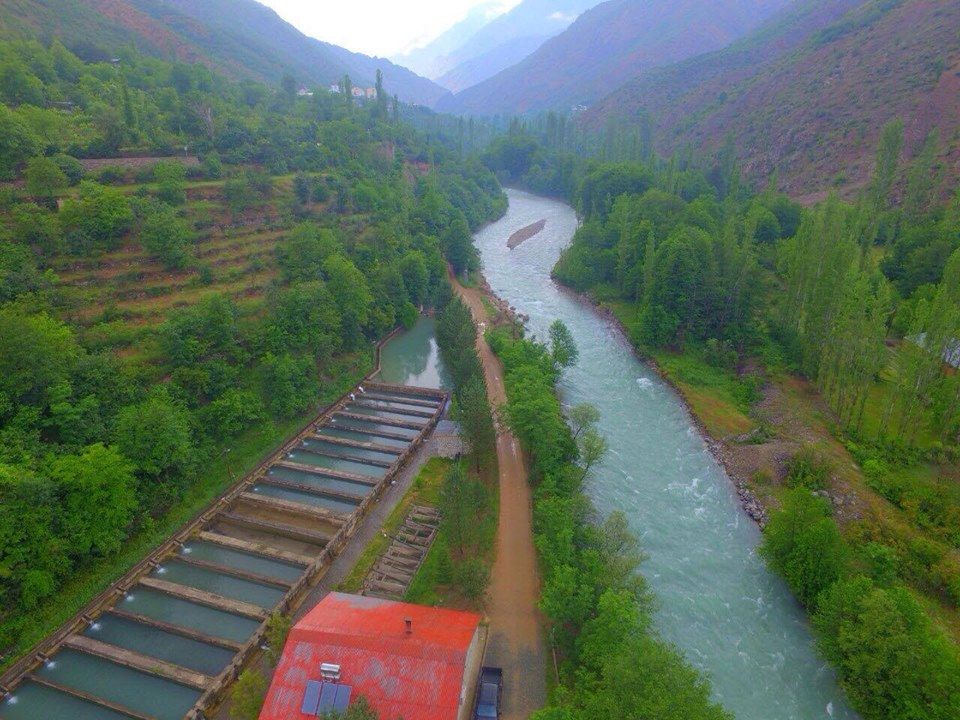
[374, 27]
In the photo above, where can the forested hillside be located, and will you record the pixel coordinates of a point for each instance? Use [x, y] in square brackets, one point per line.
[241, 39]
[812, 344]
[806, 95]
[165, 321]
[605, 47]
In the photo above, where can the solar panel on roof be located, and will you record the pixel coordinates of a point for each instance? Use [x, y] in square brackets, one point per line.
[328, 694]
[311, 698]
[343, 698]
[332, 698]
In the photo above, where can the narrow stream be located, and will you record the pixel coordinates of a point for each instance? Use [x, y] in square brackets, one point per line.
[718, 603]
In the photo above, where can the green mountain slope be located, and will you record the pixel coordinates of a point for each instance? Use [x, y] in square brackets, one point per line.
[239, 37]
[808, 93]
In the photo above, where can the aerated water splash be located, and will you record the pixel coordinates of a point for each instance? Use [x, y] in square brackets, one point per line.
[717, 602]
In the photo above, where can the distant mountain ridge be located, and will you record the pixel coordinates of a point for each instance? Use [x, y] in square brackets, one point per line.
[238, 37]
[808, 93]
[436, 57]
[477, 69]
[608, 45]
[509, 38]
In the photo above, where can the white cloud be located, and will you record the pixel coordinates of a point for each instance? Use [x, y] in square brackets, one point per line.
[563, 17]
[374, 27]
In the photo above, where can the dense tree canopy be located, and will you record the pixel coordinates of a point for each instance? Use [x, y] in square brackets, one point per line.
[108, 417]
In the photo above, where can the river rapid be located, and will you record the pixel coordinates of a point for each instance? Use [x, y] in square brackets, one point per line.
[717, 602]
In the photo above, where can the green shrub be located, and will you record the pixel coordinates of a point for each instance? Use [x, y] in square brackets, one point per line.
[471, 577]
[807, 469]
[802, 543]
[112, 175]
[212, 167]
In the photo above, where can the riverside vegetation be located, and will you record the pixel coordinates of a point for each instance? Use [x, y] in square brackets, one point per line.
[609, 661]
[733, 292]
[458, 563]
[164, 324]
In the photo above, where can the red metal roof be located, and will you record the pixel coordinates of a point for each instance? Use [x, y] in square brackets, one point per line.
[415, 676]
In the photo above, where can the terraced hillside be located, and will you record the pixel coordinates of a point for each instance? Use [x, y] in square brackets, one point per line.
[115, 298]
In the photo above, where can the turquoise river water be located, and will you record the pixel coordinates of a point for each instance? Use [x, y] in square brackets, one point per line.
[717, 602]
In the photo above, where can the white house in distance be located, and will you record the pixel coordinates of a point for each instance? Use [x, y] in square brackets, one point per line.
[357, 92]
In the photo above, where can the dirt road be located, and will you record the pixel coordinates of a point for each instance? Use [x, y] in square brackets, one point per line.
[516, 639]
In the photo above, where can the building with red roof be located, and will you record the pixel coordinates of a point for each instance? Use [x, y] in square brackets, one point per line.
[409, 661]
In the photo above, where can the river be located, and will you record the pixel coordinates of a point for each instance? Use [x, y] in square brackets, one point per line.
[718, 603]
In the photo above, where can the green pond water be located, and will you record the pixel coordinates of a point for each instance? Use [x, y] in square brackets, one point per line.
[228, 586]
[718, 603]
[329, 447]
[210, 621]
[170, 647]
[334, 504]
[305, 457]
[413, 358]
[319, 481]
[228, 557]
[387, 414]
[130, 688]
[340, 432]
[29, 699]
[396, 405]
[371, 426]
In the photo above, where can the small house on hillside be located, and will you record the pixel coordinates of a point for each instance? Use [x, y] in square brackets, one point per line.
[408, 661]
[950, 355]
[358, 92]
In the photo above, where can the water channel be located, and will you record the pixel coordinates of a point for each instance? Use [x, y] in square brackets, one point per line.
[718, 603]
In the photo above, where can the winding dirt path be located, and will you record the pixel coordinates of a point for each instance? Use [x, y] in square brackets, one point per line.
[516, 642]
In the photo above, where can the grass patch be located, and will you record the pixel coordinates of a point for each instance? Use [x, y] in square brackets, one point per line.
[221, 471]
[878, 400]
[489, 307]
[434, 573]
[717, 397]
[425, 490]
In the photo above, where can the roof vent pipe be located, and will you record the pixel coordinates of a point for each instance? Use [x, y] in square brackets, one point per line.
[409, 624]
